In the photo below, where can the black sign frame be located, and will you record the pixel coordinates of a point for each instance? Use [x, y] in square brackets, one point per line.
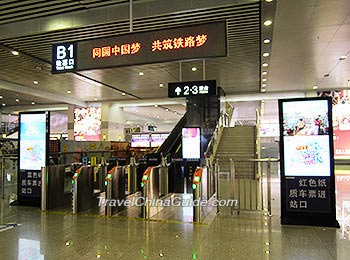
[192, 88]
[212, 48]
[320, 214]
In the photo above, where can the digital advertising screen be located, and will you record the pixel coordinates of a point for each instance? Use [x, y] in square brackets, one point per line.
[32, 132]
[306, 138]
[191, 143]
[157, 139]
[140, 140]
[87, 124]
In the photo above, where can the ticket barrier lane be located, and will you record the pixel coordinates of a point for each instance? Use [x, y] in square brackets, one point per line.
[115, 190]
[56, 186]
[197, 193]
[83, 189]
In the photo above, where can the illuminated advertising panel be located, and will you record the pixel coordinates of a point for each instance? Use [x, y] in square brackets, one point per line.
[32, 154]
[306, 138]
[87, 124]
[191, 146]
[140, 140]
[157, 139]
[172, 44]
[307, 164]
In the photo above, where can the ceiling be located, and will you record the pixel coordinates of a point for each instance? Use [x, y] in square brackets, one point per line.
[308, 37]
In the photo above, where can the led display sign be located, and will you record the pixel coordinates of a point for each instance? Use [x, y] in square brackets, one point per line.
[191, 143]
[307, 164]
[192, 88]
[180, 43]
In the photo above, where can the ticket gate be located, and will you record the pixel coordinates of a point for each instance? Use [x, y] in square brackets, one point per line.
[115, 189]
[83, 189]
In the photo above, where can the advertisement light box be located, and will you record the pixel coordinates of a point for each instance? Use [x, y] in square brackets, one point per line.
[140, 140]
[172, 44]
[191, 143]
[306, 139]
[32, 133]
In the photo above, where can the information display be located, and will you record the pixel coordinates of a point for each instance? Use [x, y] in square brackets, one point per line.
[192, 88]
[33, 146]
[191, 146]
[180, 43]
[157, 139]
[307, 167]
[140, 140]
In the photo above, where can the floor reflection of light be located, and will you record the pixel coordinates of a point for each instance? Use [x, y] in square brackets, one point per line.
[29, 249]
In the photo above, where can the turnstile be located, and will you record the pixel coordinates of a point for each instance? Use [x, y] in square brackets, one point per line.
[115, 190]
[83, 189]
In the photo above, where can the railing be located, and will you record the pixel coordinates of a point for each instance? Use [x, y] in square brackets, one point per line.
[252, 191]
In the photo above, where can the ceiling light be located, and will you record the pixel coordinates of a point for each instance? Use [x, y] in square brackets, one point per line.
[266, 54]
[264, 73]
[263, 90]
[17, 100]
[157, 116]
[1, 97]
[269, 1]
[167, 109]
[267, 22]
[343, 57]
[265, 64]
[315, 87]
[3, 104]
[16, 53]
[123, 94]
[264, 85]
[141, 73]
[95, 98]
[35, 82]
[156, 105]
[33, 103]
[175, 113]
[194, 69]
[69, 91]
[264, 80]
[164, 119]
[267, 41]
[161, 85]
[137, 110]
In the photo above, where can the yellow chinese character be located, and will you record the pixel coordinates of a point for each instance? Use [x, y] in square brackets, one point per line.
[96, 52]
[135, 47]
[201, 39]
[157, 45]
[167, 44]
[115, 50]
[189, 41]
[106, 51]
[178, 43]
[125, 49]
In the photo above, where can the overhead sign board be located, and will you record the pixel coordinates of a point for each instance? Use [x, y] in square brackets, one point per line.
[192, 88]
[179, 43]
[307, 167]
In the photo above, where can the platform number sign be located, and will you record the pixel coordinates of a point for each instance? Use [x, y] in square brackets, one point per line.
[64, 57]
[192, 88]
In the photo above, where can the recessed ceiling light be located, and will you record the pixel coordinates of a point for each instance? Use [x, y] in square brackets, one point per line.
[164, 119]
[267, 41]
[3, 104]
[137, 110]
[1, 97]
[342, 57]
[265, 64]
[264, 80]
[33, 103]
[35, 82]
[161, 85]
[69, 91]
[167, 110]
[194, 69]
[141, 73]
[269, 1]
[267, 22]
[123, 94]
[175, 113]
[99, 84]
[263, 90]
[266, 54]
[157, 116]
[95, 98]
[155, 105]
[16, 53]
[264, 73]
[17, 100]
[264, 85]
[315, 87]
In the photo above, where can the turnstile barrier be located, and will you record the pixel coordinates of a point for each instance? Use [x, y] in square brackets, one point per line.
[115, 190]
[83, 190]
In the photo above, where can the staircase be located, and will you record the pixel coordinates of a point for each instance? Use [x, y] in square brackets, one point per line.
[237, 143]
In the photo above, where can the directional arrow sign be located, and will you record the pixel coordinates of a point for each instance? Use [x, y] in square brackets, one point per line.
[178, 91]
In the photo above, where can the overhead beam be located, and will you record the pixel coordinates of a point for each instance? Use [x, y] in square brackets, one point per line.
[41, 93]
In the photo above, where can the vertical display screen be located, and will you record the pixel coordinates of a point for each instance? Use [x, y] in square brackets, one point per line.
[191, 148]
[32, 132]
[306, 139]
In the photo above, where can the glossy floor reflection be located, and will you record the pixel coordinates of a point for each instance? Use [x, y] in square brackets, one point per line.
[244, 236]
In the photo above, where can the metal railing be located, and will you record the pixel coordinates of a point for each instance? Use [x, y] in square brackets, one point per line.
[252, 191]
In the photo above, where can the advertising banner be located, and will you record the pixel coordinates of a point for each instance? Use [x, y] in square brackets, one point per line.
[191, 143]
[307, 167]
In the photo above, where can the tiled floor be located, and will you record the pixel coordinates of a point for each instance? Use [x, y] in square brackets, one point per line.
[245, 236]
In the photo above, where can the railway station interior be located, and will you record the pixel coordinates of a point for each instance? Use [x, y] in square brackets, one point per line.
[188, 129]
